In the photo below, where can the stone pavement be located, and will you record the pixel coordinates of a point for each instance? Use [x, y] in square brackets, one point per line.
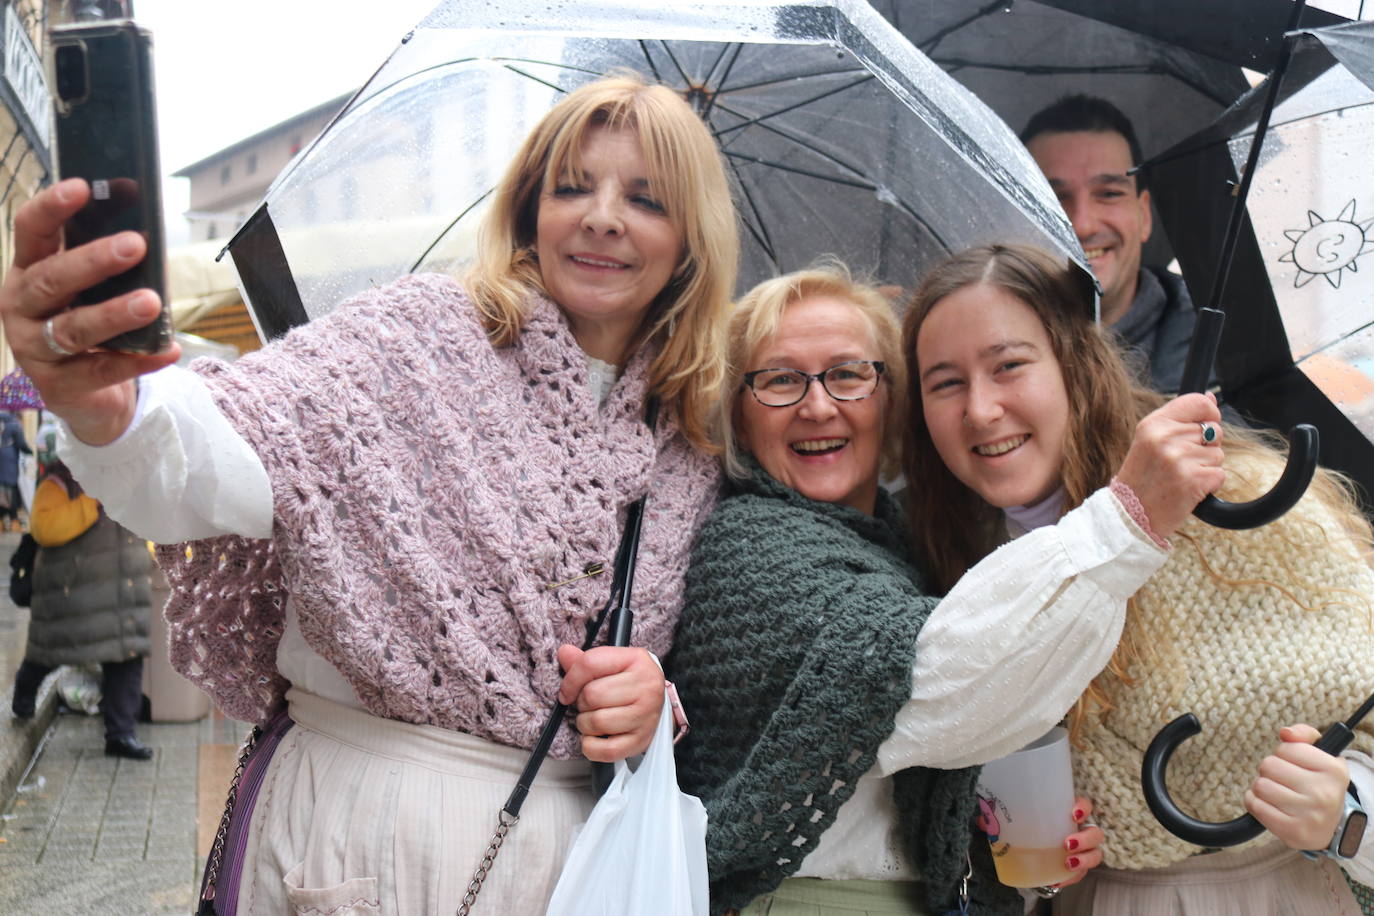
[87, 833]
[90, 834]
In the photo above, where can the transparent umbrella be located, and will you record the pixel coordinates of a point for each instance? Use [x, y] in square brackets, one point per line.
[841, 138]
[1298, 345]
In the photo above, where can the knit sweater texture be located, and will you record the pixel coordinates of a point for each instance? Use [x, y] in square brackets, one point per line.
[795, 653]
[428, 489]
[1240, 653]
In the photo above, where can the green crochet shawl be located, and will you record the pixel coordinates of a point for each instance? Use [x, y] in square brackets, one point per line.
[793, 654]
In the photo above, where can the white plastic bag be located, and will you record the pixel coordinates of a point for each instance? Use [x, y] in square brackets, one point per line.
[642, 851]
[79, 687]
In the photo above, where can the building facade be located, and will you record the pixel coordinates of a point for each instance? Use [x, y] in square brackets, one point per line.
[227, 185]
[26, 149]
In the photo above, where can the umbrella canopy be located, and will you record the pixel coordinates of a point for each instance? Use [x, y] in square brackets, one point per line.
[839, 136]
[18, 393]
[1172, 66]
[1298, 345]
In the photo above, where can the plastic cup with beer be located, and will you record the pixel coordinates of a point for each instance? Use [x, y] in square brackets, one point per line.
[1025, 802]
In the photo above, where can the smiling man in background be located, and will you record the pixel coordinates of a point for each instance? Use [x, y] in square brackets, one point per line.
[1087, 148]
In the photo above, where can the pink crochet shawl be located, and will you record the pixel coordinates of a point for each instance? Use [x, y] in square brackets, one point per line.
[427, 490]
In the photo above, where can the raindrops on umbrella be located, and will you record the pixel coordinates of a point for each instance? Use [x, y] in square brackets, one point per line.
[17, 392]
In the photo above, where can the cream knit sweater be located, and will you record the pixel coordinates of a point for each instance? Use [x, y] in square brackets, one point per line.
[1246, 657]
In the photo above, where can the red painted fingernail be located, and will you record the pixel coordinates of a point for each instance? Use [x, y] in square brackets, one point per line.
[1073, 862]
[1071, 844]
[1079, 814]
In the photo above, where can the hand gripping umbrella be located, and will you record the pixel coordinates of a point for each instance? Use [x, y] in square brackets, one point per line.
[1304, 349]
[1302, 455]
[1291, 485]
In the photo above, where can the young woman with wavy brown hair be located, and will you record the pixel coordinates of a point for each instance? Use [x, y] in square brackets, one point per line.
[1022, 408]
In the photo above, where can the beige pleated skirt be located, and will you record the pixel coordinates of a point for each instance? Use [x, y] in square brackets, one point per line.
[1271, 880]
[362, 815]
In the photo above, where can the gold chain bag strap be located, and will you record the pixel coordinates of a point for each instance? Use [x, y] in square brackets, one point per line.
[617, 609]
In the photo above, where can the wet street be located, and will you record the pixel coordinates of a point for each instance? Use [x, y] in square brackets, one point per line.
[83, 833]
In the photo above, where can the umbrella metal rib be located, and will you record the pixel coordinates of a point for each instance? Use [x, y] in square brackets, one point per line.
[800, 142]
[953, 64]
[686, 80]
[757, 227]
[794, 106]
[539, 80]
[833, 179]
[863, 185]
[791, 78]
[447, 229]
[739, 48]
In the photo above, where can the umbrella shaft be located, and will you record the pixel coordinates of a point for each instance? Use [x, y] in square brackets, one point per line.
[1228, 248]
[1202, 352]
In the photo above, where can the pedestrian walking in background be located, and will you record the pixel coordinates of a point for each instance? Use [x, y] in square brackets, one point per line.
[90, 603]
[12, 443]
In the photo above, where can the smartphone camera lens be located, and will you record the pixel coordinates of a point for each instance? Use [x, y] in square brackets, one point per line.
[70, 67]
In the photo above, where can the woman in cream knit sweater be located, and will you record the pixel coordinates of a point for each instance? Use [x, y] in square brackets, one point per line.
[1025, 409]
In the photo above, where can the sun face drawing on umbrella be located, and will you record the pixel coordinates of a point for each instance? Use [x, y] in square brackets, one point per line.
[1328, 246]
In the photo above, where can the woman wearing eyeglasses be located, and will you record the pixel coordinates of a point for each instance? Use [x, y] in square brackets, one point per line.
[839, 710]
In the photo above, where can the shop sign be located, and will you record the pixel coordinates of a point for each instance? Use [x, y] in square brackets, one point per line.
[23, 75]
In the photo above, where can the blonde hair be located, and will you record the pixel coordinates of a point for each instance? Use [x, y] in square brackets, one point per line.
[758, 317]
[687, 175]
[1105, 405]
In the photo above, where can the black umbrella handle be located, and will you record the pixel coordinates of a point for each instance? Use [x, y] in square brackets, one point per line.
[621, 623]
[1304, 445]
[1185, 826]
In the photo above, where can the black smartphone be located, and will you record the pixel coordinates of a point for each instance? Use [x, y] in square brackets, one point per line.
[107, 134]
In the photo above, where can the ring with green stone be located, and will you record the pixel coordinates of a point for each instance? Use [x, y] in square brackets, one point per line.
[1209, 433]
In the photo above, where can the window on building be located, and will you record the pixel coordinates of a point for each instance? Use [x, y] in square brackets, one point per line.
[252, 165]
[225, 173]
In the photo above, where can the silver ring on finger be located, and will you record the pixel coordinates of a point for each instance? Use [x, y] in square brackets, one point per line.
[1046, 893]
[51, 341]
[1209, 433]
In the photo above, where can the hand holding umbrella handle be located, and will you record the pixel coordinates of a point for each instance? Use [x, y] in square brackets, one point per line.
[1302, 453]
[1204, 833]
[621, 625]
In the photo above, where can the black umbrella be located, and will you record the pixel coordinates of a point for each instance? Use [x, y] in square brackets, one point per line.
[1170, 70]
[1301, 464]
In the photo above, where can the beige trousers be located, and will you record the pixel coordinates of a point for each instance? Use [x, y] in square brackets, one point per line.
[363, 815]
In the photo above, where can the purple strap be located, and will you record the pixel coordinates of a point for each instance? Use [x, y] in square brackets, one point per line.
[226, 889]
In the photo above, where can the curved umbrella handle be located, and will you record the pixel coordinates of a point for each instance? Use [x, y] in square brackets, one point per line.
[1185, 826]
[1302, 454]
[1182, 825]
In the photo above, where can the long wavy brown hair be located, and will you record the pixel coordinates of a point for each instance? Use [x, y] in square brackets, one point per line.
[951, 524]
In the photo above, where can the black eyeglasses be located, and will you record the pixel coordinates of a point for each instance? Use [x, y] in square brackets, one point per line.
[851, 381]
